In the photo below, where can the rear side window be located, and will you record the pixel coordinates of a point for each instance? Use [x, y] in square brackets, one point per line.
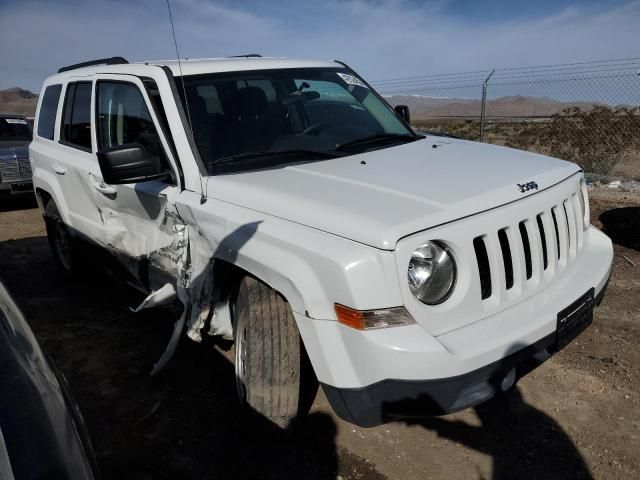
[123, 117]
[76, 118]
[48, 109]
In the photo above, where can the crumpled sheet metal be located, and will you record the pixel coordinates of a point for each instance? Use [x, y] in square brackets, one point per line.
[163, 296]
[175, 247]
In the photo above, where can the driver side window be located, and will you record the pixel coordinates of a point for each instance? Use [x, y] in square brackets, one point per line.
[123, 118]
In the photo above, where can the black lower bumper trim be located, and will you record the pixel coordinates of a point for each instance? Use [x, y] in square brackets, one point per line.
[600, 296]
[392, 399]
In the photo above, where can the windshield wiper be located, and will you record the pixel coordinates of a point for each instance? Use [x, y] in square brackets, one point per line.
[376, 138]
[297, 152]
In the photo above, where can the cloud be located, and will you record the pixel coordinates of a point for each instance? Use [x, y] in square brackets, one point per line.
[379, 38]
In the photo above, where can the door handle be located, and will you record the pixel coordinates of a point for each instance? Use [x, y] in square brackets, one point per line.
[100, 186]
[58, 169]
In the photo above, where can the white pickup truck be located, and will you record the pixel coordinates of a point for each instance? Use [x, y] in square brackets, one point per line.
[284, 205]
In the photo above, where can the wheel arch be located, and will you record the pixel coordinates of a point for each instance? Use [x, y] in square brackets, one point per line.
[43, 198]
[227, 277]
[49, 191]
[233, 273]
[228, 272]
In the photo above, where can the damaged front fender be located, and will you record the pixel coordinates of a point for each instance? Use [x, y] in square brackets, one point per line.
[165, 254]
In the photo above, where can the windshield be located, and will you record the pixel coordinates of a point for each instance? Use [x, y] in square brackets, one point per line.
[245, 120]
[14, 130]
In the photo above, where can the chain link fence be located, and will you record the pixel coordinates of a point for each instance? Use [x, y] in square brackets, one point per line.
[586, 112]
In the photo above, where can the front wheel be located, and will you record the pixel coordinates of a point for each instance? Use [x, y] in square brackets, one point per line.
[272, 375]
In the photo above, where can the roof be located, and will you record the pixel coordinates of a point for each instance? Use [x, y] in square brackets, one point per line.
[198, 66]
[214, 65]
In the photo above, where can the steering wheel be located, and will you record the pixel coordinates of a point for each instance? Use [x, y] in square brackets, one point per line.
[316, 127]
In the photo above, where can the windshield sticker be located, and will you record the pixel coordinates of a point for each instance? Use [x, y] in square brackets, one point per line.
[16, 120]
[351, 80]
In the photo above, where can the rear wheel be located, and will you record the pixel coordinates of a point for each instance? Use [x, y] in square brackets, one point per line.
[272, 375]
[60, 240]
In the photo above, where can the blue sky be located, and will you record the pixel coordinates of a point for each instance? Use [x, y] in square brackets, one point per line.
[379, 38]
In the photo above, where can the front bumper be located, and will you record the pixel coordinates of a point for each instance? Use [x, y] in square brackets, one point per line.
[16, 188]
[393, 399]
[369, 376]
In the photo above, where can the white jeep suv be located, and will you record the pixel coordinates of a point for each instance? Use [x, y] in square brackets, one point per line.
[285, 205]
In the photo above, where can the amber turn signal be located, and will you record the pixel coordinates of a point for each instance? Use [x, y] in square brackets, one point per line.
[371, 319]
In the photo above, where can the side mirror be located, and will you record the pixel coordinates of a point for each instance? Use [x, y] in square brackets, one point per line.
[403, 111]
[129, 163]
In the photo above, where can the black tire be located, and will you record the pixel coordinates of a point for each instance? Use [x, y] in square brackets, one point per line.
[272, 376]
[63, 245]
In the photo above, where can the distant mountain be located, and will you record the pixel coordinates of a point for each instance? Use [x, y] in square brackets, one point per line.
[19, 101]
[423, 107]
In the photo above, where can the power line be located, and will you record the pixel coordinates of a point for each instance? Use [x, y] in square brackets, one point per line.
[595, 64]
[474, 81]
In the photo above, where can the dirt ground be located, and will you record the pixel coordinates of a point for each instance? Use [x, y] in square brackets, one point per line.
[577, 416]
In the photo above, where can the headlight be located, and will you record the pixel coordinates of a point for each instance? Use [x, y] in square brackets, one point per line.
[432, 273]
[584, 204]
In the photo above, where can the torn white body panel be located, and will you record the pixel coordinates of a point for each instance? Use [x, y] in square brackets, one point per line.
[155, 232]
[221, 321]
[141, 223]
[178, 327]
[163, 296]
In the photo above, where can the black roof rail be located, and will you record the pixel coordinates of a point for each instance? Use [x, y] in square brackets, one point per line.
[100, 61]
[248, 55]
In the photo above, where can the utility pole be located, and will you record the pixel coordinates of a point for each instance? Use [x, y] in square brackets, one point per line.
[484, 102]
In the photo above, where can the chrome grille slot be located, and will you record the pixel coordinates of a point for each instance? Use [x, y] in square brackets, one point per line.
[563, 234]
[557, 231]
[506, 258]
[484, 270]
[575, 200]
[526, 245]
[571, 227]
[543, 238]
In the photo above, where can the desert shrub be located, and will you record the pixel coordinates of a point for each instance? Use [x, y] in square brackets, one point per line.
[596, 139]
[467, 129]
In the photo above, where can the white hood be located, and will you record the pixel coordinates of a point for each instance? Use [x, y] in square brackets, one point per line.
[380, 196]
